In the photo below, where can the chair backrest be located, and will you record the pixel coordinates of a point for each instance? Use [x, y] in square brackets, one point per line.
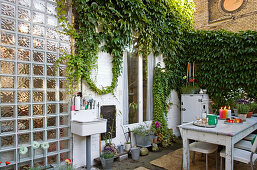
[254, 147]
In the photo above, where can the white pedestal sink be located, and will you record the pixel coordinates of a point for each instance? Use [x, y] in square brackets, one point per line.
[85, 123]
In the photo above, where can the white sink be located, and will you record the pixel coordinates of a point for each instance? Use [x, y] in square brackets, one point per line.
[84, 115]
[88, 128]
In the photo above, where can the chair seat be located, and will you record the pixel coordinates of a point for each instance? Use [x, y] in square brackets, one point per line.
[244, 144]
[250, 137]
[203, 147]
[240, 155]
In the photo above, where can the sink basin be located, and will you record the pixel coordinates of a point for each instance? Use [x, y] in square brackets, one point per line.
[88, 128]
[84, 115]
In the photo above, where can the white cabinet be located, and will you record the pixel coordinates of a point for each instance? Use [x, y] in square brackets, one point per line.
[192, 106]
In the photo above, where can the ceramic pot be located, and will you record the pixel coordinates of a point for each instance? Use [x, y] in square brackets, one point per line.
[127, 146]
[249, 114]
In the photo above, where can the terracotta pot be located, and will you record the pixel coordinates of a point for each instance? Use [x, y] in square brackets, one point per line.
[249, 114]
[155, 140]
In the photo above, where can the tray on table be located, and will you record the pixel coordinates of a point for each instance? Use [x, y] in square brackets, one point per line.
[200, 124]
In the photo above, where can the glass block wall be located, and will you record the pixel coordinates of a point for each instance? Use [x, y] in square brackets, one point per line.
[32, 93]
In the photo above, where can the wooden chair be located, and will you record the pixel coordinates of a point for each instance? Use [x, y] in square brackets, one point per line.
[243, 155]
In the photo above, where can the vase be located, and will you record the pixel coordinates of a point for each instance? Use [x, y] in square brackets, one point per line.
[107, 163]
[127, 146]
[242, 116]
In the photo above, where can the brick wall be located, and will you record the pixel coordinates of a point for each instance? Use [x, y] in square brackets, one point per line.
[210, 16]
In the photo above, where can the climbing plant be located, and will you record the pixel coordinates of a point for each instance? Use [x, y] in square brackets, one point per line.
[226, 61]
[147, 26]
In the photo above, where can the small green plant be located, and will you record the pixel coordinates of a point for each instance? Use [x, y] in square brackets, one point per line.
[143, 130]
[190, 89]
[107, 155]
[242, 108]
[253, 107]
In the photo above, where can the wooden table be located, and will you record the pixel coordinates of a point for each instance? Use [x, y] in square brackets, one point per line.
[223, 134]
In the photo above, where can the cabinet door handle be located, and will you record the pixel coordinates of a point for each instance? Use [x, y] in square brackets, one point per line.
[183, 109]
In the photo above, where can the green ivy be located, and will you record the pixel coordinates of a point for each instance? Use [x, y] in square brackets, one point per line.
[149, 26]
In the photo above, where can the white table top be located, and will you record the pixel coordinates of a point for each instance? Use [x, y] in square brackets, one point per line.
[222, 128]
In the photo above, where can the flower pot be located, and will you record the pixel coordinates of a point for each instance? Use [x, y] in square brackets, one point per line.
[107, 163]
[155, 139]
[144, 141]
[135, 153]
[127, 146]
[242, 116]
[249, 114]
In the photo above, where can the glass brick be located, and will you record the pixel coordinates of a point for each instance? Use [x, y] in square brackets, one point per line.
[23, 83]
[24, 55]
[8, 156]
[62, 83]
[62, 71]
[52, 159]
[38, 56]
[24, 156]
[7, 126]
[8, 24]
[23, 96]
[8, 10]
[64, 132]
[23, 124]
[51, 96]
[12, 1]
[51, 70]
[64, 156]
[6, 82]
[7, 53]
[51, 83]
[7, 141]
[51, 9]
[24, 138]
[39, 162]
[7, 67]
[38, 30]
[24, 14]
[64, 144]
[51, 134]
[8, 38]
[64, 48]
[63, 107]
[52, 21]
[7, 97]
[23, 41]
[38, 136]
[38, 70]
[51, 33]
[23, 110]
[23, 68]
[7, 111]
[51, 108]
[39, 5]
[38, 43]
[38, 18]
[38, 109]
[52, 147]
[63, 95]
[51, 121]
[24, 165]
[51, 57]
[64, 120]
[38, 123]
[25, 3]
[52, 46]
[38, 96]
[38, 83]
[64, 37]
[23, 27]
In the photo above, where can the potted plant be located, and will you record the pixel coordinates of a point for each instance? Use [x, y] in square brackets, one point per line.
[253, 109]
[144, 136]
[107, 158]
[242, 110]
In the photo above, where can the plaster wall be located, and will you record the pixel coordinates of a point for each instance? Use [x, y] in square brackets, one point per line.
[103, 77]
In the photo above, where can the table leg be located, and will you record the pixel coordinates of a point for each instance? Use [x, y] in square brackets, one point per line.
[229, 155]
[186, 157]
